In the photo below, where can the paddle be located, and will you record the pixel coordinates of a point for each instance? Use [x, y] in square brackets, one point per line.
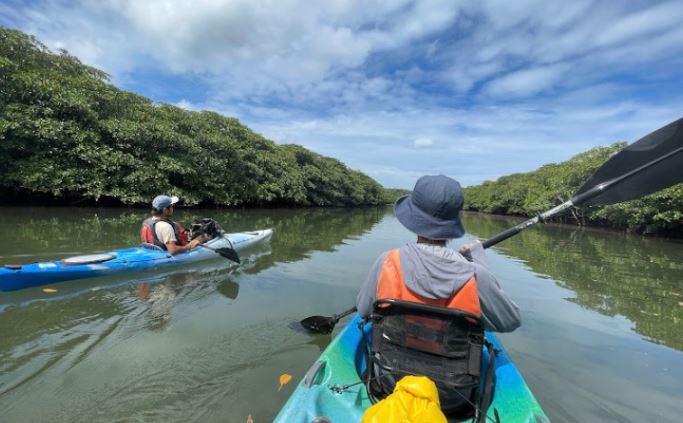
[226, 252]
[650, 164]
[322, 324]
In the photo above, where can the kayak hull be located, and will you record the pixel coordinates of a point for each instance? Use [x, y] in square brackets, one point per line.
[342, 361]
[121, 261]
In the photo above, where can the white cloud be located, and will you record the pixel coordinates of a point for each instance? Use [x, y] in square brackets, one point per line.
[254, 46]
[187, 105]
[527, 82]
[423, 142]
[295, 49]
[642, 24]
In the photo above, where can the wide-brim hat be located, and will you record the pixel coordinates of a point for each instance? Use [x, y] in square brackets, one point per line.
[432, 210]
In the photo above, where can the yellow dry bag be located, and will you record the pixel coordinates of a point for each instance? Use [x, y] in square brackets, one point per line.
[414, 400]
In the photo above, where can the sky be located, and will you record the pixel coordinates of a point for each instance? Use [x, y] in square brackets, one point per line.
[395, 88]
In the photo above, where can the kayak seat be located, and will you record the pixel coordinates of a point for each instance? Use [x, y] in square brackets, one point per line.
[443, 344]
[13, 266]
[151, 246]
[87, 259]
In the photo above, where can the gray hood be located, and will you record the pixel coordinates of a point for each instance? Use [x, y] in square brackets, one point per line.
[434, 272]
[438, 272]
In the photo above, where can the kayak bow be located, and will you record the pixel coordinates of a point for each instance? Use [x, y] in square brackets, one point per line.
[332, 388]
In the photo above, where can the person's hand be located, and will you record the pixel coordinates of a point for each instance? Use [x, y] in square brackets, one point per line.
[194, 243]
[467, 247]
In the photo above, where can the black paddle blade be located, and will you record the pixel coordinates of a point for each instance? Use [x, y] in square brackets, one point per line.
[655, 161]
[319, 324]
[228, 253]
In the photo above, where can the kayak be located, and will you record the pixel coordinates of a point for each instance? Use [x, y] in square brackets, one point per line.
[332, 387]
[145, 257]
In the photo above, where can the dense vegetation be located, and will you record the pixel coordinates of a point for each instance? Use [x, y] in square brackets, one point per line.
[66, 133]
[393, 194]
[528, 194]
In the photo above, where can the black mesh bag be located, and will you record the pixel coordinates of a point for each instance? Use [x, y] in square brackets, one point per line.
[205, 226]
[443, 344]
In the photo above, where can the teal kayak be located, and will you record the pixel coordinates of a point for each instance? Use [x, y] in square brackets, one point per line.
[146, 257]
[332, 387]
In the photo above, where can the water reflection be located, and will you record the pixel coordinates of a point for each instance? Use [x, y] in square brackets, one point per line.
[612, 273]
[299, 232]
[54, 233]
[117, 327]
[228, 289]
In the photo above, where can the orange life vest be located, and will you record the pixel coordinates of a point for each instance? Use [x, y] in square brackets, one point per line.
[148, 233]
[391, 285]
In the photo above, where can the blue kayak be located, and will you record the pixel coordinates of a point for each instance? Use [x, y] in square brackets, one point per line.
[332, 390]
[146, 257]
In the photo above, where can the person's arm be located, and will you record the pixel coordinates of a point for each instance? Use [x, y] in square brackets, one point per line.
[174, 248]
[499, 312]
[368, 291]
[167, 236]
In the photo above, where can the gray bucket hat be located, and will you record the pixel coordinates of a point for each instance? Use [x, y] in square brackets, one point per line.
[432, 210]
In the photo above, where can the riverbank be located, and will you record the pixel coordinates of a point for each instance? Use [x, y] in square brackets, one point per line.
[530, 194]
[571, 225]
[70, 134]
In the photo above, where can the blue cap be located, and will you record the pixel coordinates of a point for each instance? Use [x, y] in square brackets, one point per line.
[160, 202]
[432, 210]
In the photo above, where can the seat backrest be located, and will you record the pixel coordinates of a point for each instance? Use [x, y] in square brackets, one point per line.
[441, 343]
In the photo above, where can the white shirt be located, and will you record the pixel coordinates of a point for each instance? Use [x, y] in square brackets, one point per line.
[165, 232]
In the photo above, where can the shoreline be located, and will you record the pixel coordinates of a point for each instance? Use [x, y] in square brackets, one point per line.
[517, 218]
[591, 228]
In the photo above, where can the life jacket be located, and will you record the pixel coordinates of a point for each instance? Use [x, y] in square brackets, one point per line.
[149, 235]
[392, 285]
[421, 344]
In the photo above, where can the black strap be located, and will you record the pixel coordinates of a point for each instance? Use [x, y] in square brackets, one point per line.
[487, 391]
[368, 361]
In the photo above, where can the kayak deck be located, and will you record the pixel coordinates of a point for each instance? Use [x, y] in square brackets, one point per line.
[325, 389]
[120, 261]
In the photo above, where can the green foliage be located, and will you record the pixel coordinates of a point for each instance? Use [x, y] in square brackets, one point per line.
[393, 194]
[67, 132]
[528, 194]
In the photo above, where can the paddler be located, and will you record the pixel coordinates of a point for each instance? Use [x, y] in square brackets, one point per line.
[161, 231]
[428, 271]
[429, 268]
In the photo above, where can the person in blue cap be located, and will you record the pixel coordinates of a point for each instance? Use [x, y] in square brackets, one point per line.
[166, 234]
[428, 271]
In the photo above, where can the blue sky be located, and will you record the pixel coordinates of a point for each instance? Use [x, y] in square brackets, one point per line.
[397, 89]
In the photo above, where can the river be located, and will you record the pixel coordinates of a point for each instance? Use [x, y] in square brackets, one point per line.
[601, 339]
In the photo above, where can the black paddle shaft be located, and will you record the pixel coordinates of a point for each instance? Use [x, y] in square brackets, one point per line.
[648, 165]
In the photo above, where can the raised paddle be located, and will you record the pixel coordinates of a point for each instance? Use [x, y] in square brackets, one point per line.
[322, 324]
[650, 164]
[227, 252]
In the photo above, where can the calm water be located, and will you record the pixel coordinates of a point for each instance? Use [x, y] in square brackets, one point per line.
[601, 340]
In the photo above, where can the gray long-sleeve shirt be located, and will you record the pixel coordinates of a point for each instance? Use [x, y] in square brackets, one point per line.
[437, 272]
